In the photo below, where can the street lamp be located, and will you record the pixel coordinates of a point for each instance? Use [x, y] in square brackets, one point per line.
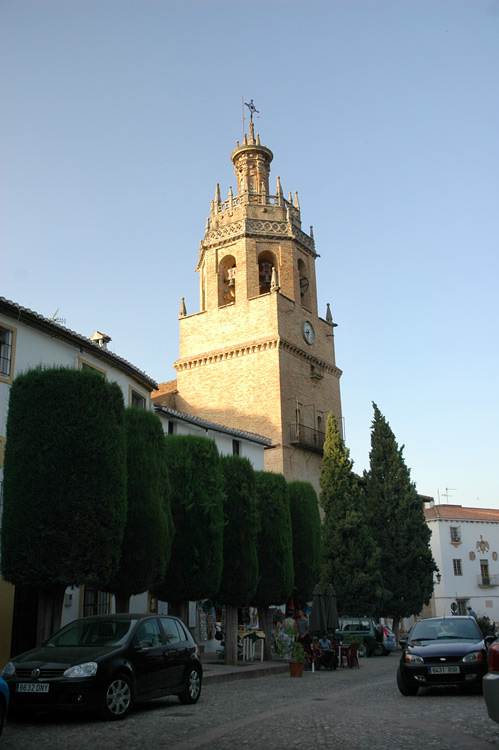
[438, 577]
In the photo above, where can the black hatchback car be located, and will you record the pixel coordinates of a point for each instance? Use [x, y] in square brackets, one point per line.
[107, 662]
[443, 651]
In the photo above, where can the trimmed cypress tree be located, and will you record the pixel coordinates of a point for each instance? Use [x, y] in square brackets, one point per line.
[307, 543]
[351, 557]
[196, 487]
[240, 552]
[398, 525]
[147, 540]
[64, 485]
[275, 548]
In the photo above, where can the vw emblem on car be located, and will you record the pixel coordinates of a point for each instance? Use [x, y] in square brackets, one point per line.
[35, 674]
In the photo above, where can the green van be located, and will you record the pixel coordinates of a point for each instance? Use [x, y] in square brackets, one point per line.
[366, 630]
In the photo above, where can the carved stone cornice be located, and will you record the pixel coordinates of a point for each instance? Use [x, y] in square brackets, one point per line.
[244, 350]
[220, 355]
[319, 364]
[258, 228]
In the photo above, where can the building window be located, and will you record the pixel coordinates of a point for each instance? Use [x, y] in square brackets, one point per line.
[171, 427]
[461, 606]
[484, 571]
[236, 447]
[455, 534]
[6, 337]
[95, 602]
[458, 570]
[87, 366]
[137, 400]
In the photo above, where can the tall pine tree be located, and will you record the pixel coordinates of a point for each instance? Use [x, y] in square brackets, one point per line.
[240, 551]
[398, 526]
[351, 557]
[307, 543]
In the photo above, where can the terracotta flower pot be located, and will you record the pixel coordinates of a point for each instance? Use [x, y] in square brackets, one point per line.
[296, 669]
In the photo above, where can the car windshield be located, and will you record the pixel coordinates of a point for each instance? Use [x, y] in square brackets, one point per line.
[447, 627]
[109, 632]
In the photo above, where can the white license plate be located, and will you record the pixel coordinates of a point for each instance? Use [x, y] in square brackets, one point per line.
[444, 670]
[32, 687]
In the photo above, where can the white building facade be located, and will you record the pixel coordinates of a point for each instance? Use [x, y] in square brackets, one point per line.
[465, 546]
[29, 340]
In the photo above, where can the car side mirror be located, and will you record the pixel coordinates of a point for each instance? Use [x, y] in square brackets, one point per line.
[144, 644]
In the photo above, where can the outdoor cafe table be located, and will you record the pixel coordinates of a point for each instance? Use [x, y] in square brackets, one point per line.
[249, 639]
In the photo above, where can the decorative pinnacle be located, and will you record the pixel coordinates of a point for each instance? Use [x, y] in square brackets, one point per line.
[183, 311]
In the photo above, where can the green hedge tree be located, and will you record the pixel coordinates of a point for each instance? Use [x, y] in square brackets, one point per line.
[240, 551]
[64, 485]
[147, 540]
[396, 515]
[275, 548]
[197, 497]
[307, 542]
[351, 557]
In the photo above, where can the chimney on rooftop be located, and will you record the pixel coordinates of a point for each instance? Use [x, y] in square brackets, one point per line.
[101, 339]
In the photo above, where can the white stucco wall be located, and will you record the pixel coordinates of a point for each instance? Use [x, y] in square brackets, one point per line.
[474, 536]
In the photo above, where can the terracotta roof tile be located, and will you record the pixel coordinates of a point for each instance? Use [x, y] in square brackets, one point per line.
[459, 513]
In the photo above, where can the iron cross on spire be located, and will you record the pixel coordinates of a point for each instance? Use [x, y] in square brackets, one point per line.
[252, 109]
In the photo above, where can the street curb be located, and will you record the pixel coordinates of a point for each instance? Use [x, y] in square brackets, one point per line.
[241, 673]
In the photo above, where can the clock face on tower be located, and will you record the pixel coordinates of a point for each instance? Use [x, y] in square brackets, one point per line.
[308, 332]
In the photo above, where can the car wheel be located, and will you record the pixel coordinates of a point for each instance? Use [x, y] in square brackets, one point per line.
[378, 650]
[386, 652]
[118, 698]
[362, 650]
[193, 688]
[402, 685]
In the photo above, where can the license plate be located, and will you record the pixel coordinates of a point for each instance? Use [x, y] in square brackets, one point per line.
[444, 670]
[32, 687]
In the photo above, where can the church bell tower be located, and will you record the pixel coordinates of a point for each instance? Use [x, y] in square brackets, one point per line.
[257, 356]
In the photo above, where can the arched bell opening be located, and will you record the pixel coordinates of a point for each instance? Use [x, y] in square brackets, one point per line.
[266, 263]
[304, 283]
[227, 280]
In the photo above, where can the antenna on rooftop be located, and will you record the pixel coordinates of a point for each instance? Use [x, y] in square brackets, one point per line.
[55, 319]
[446, 493]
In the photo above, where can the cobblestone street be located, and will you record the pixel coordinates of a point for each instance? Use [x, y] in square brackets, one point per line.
[344, 710]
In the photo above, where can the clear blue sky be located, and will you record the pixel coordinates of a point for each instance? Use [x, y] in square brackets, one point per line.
[119, 116]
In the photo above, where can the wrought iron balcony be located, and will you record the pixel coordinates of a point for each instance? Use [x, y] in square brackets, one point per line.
[488, 581]
[306, 437]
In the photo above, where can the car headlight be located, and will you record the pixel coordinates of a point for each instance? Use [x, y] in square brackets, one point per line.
[474, 656]
[88, 669]
[8, 670]
[413, 659]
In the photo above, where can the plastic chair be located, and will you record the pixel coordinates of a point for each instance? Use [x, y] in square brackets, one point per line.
[352, 656]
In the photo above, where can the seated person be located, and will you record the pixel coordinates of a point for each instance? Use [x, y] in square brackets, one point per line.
[327, 655]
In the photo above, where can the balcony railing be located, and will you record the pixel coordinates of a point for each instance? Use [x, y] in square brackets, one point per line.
[306, 437]
[488, 581]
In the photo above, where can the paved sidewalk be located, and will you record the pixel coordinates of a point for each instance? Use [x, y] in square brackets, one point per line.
[215, 669]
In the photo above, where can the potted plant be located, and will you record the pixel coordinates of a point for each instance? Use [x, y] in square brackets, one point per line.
[293, 652]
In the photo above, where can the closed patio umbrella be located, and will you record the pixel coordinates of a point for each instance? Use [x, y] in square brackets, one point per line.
[332, 622]
[317, 620]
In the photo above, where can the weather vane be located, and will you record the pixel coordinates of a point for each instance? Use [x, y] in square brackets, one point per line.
[252, 109]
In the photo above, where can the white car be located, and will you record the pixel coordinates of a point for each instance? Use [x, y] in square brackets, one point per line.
[389, 640]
